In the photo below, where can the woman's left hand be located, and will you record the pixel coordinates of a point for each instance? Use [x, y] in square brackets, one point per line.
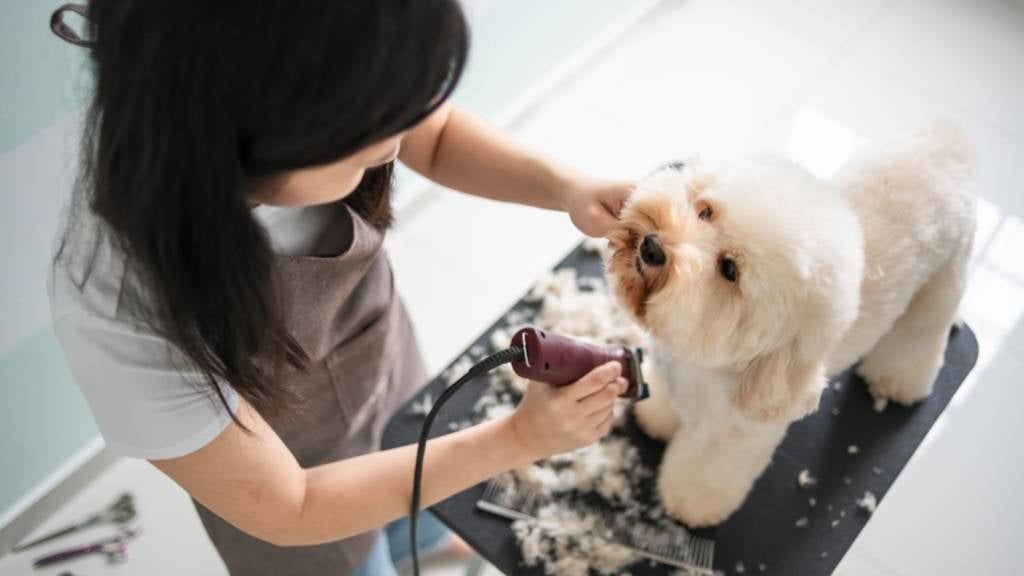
[594, 205]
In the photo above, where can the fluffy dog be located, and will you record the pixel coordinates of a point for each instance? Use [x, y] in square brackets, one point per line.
[757, 280]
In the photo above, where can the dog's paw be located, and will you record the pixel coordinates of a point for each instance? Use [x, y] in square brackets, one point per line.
[657, 419]
[695, 504]
[904, 372]
[896, 391]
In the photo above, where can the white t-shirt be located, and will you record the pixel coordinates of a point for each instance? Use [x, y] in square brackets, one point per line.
[144, 399]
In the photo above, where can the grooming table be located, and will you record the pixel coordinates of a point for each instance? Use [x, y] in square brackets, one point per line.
[763, 530]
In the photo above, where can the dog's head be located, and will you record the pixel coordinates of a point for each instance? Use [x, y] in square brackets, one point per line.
[753, 268]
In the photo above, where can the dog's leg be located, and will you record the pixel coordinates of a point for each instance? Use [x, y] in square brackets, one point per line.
[702, 481]
[655, 415]
[903, 365]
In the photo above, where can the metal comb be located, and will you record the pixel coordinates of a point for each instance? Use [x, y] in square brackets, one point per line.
[681, 550]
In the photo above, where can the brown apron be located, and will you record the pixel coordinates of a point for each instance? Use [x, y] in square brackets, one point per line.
[366, 363]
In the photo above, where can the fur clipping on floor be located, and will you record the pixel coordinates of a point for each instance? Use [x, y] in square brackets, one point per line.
[868, 503]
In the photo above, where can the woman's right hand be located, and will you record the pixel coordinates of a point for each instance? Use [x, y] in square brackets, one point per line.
[551, 420]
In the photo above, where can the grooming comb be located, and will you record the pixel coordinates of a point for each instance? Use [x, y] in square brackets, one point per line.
[679, 550]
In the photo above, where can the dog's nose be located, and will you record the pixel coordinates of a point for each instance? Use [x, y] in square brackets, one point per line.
[651, 251]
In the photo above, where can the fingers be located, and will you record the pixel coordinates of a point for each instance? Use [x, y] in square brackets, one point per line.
[617, 196]
[602, 222]
[604, 424]
[603, 399]
[595, 381]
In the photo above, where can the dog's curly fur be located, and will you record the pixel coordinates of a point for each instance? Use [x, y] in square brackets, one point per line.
[867, 266]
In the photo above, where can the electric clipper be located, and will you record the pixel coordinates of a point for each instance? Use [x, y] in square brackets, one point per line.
[536, 355]
[559, 360]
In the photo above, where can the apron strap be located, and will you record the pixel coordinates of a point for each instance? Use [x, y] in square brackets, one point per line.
[63, 30]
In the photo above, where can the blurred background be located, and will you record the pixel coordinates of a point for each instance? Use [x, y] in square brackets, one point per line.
[613, 87]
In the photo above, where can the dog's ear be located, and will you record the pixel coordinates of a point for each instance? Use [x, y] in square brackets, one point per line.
[781, 386]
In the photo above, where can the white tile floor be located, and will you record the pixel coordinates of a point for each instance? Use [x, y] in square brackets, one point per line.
[803, 77]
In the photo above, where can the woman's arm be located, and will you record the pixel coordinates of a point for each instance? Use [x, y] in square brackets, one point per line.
[253, 481]
[454, 148]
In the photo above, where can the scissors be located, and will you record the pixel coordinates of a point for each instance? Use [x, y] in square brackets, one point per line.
[122, 511]
[115, 549]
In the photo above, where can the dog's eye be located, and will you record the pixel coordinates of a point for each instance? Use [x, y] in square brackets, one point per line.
[705, 213]
[727, 268]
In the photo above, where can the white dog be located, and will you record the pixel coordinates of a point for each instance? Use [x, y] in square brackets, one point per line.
[756, 281]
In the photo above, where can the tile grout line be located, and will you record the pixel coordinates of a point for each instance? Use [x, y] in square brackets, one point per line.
[1015, 350]
[874, 562]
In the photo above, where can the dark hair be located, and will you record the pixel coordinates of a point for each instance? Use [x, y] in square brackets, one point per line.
[195, 101]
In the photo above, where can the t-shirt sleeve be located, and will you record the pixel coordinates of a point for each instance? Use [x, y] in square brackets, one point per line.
[145, 401]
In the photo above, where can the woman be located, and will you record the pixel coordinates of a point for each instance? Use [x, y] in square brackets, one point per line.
[221, 294]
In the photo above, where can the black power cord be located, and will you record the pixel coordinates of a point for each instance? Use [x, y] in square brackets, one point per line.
[479, 369]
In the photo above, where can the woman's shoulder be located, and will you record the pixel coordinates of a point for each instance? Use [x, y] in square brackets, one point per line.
[144, 395]
[145, 398]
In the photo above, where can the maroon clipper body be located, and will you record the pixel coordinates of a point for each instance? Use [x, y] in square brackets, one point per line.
[559, 360]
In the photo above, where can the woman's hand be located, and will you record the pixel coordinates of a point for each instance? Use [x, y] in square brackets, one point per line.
[594, 205]
[552, 420]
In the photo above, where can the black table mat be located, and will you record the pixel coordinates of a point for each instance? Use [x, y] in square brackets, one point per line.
[763, 531]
